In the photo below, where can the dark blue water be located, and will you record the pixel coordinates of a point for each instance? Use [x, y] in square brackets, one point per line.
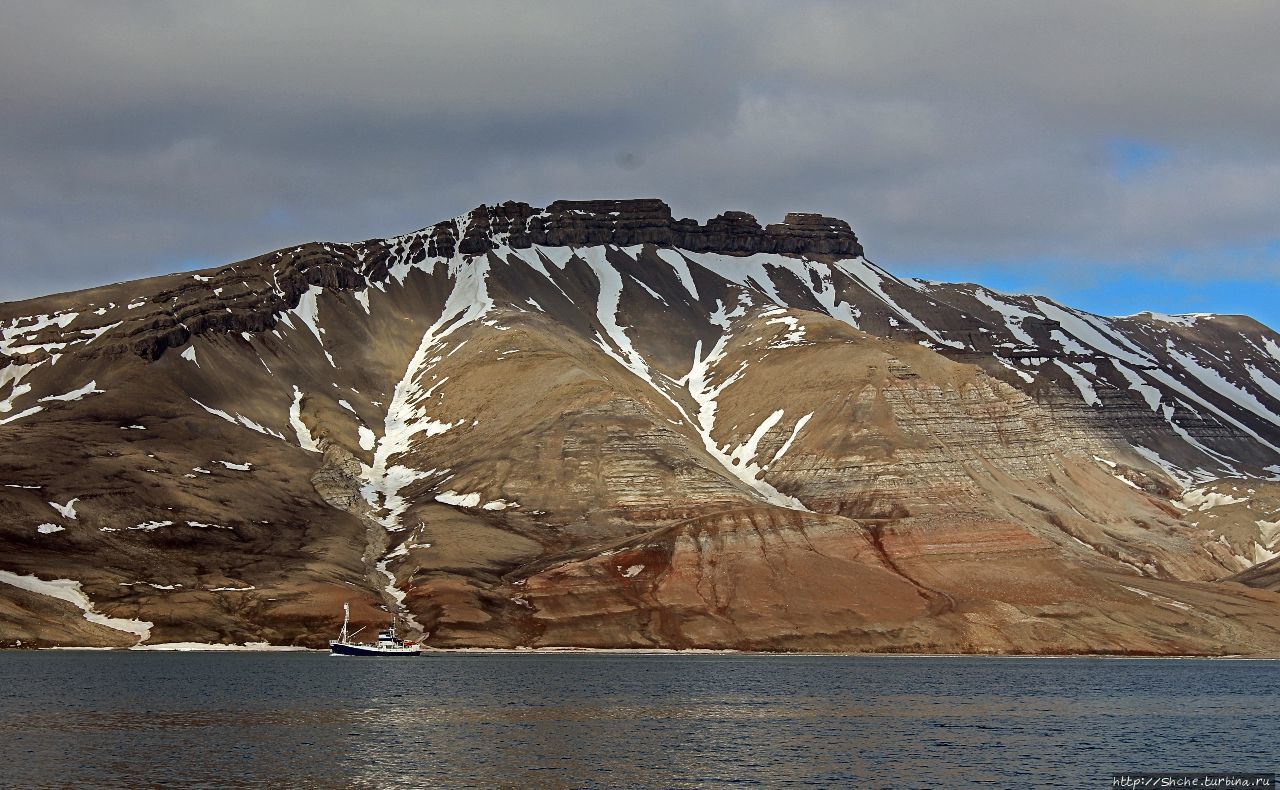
[607, 720]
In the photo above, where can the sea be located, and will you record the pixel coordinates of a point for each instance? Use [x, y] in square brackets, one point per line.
[239, 720]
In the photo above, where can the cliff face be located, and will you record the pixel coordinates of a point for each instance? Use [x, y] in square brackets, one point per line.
[623, 223]
[593, 424]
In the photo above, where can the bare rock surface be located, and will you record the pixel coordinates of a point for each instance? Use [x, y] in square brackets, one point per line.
[593, 424]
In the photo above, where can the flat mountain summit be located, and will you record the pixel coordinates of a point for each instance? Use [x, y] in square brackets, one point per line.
[593, 424]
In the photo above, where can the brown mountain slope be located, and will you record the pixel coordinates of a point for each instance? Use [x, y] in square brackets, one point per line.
[559, 427]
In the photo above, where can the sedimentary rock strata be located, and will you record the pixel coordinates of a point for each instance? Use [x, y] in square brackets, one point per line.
[594, 424]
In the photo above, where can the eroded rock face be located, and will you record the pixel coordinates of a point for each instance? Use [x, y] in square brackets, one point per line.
[583, 223]
[594, 424]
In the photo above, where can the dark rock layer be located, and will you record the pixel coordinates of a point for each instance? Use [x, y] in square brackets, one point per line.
[581, 223]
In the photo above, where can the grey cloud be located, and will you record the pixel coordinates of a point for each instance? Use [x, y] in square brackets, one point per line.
[143, 137]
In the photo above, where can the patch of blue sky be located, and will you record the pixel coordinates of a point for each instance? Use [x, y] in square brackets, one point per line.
[1128, 158]
[1242, 282]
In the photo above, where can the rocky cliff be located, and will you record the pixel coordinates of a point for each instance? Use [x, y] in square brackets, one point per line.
[594, 424]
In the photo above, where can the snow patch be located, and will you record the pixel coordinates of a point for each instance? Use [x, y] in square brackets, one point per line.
[89, 389]
[396, 593]
[800, 423]
[1186, 319]
[21, 414]
[191, 647]
[239, 420]
[1157, 598]
[1091, 333]
[458, 500]
[1268, 385]
[1087, 392]
[704, 393]
[70, 591]
[1139, 385]
[1012, 314]
[681, 268]
[68, 510]
[794, 335]
[1216, 382]
[149, 526]
[308, 311]
[1172, 383]
[305, 440]
[98, 331]
[1203, 499]
[873, 280]
[1168, 467]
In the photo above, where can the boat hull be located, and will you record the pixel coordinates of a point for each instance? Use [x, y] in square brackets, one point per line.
[350, 649]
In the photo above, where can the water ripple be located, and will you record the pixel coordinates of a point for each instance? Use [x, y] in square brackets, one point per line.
[609, 720]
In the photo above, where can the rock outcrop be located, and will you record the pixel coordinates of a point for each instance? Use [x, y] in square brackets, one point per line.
[583, 223]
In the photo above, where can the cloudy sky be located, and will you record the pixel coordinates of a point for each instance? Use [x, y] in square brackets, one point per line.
[1117, 156]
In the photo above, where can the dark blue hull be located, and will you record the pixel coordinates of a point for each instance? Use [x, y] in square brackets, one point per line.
[347, 649]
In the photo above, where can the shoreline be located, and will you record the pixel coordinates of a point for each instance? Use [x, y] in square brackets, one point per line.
[199, 647]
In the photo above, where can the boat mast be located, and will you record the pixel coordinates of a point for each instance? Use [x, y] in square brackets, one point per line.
[346, 615]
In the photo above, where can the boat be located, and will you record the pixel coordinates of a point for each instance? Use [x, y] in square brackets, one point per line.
[388, 643]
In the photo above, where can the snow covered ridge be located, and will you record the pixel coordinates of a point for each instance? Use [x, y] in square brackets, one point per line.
[1196, 378]
[1029, 341]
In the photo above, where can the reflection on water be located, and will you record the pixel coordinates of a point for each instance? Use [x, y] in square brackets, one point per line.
[604, 720]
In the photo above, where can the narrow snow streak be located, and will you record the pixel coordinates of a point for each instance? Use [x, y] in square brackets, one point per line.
[1087, 392]
[871, 279]
[1268, 385]
[305, 440]
[406, 416]
[736, 461]
[705, 393]
[1089, 333]
[807, 272]
[800, 423]
[398, 594]
[1173, 384]
[607, 307]
[89, 389]
[680, 266]
[1011, 314]
[1216, 382]
[239, 419]
[748, 273]
[1139, 385]
[24, 413]
[308, 311]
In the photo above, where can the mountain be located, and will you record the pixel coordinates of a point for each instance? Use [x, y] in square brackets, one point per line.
[593, 424]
